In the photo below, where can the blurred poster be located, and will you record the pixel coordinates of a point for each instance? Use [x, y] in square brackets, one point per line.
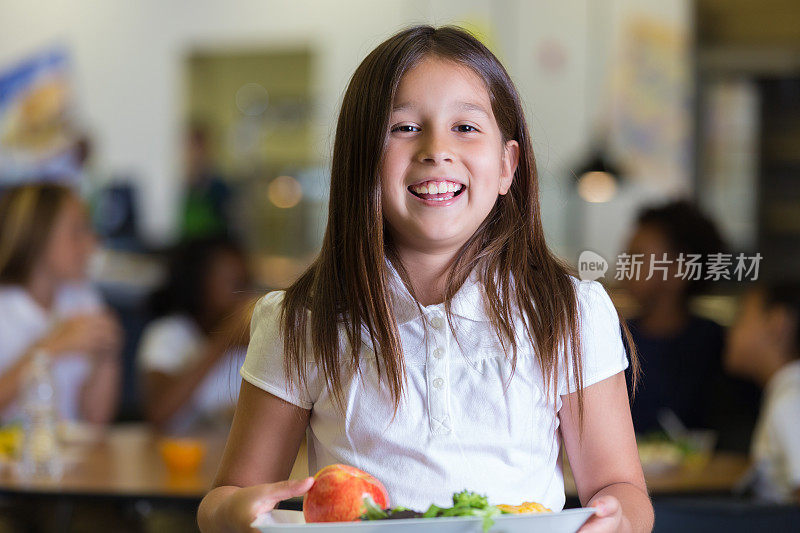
[652, 90]
[37, 135]
[728, 165]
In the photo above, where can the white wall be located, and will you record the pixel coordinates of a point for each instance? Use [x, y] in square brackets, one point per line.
[128, 58]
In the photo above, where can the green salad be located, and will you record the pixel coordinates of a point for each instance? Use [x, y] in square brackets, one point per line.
[465, 503]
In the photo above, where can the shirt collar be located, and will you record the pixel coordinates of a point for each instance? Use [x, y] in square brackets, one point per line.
[467, 303]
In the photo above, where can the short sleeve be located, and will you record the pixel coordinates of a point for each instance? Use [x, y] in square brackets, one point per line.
[167, 345]
[263, 365]
[788, 434]
[603, 353]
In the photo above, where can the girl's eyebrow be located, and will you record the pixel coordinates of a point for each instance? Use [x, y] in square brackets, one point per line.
[459, 105]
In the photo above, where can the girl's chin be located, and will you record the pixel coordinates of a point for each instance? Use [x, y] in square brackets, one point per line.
[448, 238]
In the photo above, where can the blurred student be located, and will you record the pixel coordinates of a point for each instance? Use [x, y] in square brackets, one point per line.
[190, 356]
[681, 353]
[207, 200]
[47, 304]
[764, 345]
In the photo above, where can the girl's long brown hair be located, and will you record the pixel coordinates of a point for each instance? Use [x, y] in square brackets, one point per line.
[27, 218]
[346, 286]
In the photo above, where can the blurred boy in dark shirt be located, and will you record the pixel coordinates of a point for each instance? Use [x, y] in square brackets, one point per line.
[680, 352]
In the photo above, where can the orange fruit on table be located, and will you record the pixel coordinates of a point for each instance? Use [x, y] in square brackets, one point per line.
[182, 455]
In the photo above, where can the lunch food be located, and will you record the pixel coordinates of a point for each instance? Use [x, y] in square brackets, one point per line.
[343, 493]
[524, 508]
[11, 437]
[465, 503]
[338, 494]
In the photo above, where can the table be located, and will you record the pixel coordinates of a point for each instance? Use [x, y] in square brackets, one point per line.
[720, 475]
[125, 463]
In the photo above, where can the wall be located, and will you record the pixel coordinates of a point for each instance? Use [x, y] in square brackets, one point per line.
[129, 57]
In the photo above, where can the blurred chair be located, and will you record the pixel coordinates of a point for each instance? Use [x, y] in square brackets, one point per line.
[730, 516]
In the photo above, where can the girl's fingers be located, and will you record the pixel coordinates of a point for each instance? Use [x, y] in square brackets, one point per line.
[273, 493]
[606, 506]
[604, 518]
[596, 525]
[293, 487]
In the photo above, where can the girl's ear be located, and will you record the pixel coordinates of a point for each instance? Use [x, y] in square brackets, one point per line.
[508, 165]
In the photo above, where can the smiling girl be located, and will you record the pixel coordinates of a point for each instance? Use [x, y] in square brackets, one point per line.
[436, 342]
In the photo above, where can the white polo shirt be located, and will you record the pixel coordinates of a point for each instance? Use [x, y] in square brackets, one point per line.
[23, 322]
[776, 438]
[457, 427]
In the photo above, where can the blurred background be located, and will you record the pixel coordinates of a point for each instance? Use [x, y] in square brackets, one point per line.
[189, 121]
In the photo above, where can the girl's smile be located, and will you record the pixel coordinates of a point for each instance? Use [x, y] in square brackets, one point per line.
[437, 192]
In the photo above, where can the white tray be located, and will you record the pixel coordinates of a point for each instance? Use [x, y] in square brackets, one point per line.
[568, 521]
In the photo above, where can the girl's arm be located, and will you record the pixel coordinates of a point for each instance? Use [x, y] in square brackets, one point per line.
[604, 458]
[262, 446]
[82, 333]
[100, 393]
[13, 377]
[166, 393]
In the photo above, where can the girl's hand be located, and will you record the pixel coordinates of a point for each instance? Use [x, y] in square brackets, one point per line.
[606, 519]
[244, 505]
[92, 333]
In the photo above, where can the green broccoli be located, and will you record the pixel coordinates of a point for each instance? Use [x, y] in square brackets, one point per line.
[466, 503]
[466, 498]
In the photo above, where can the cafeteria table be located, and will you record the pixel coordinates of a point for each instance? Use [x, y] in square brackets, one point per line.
[719, 476]
[124, 463]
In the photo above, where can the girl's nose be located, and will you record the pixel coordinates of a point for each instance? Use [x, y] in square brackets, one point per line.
[434, 148]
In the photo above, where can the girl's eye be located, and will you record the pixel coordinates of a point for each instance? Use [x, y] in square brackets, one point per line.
[407, 128]
[400, 128]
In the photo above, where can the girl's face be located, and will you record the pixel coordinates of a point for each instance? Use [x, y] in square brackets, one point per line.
[445, 162]
[650, 242]
[749, 337]
[225, 283]
[71, 243]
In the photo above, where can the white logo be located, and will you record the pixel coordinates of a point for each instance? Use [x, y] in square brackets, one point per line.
[591, 266]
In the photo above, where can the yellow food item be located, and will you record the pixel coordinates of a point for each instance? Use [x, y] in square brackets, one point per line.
[524, 508]
[11, 441]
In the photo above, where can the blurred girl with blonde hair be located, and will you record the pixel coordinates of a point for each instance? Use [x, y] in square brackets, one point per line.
[47, 304]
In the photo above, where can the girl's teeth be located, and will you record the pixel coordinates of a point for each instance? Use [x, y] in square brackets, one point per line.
[436, 188]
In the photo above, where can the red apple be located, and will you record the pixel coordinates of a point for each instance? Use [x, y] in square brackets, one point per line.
[338, 494]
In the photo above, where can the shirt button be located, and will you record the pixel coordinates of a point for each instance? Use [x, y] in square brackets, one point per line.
[438, 353]
[438, 383]
[437, 322]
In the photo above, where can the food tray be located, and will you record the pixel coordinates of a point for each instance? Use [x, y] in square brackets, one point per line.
[567, 521]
